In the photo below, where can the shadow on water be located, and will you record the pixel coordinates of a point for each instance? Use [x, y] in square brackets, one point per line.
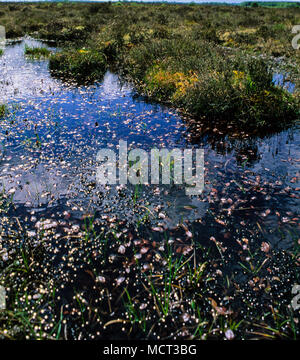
[54, 130]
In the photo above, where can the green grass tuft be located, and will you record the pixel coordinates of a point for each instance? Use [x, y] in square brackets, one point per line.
[37, 53]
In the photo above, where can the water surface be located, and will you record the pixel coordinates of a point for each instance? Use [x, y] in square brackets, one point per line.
[54, 130]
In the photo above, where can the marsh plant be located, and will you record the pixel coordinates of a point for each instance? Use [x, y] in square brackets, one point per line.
[203, 81]
[80, 65]
[37, 52]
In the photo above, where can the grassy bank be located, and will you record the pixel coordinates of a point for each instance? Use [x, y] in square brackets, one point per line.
[256, 29]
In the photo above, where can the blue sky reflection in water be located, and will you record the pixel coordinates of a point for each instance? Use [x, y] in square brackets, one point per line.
[54, 130]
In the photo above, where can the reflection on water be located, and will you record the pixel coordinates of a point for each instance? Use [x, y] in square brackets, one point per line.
[53, 132]
[281, 80]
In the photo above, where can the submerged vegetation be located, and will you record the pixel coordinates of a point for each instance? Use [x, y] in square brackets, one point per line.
[117, 280]
[73, 269]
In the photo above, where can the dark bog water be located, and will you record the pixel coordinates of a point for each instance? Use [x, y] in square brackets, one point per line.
[53, 132]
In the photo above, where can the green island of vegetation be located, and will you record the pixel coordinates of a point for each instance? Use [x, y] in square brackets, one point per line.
[37, 52]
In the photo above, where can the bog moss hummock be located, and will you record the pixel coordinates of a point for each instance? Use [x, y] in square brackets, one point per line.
[80, 65]
[203, 80]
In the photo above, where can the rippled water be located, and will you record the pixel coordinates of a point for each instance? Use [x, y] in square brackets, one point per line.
[53, 132]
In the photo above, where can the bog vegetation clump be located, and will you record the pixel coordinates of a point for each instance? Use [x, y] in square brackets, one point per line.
[202, 80]
[37, 52]
[82, 65]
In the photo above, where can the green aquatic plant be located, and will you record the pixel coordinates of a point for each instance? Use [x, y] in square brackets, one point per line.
[37, 52]
[26, 303]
